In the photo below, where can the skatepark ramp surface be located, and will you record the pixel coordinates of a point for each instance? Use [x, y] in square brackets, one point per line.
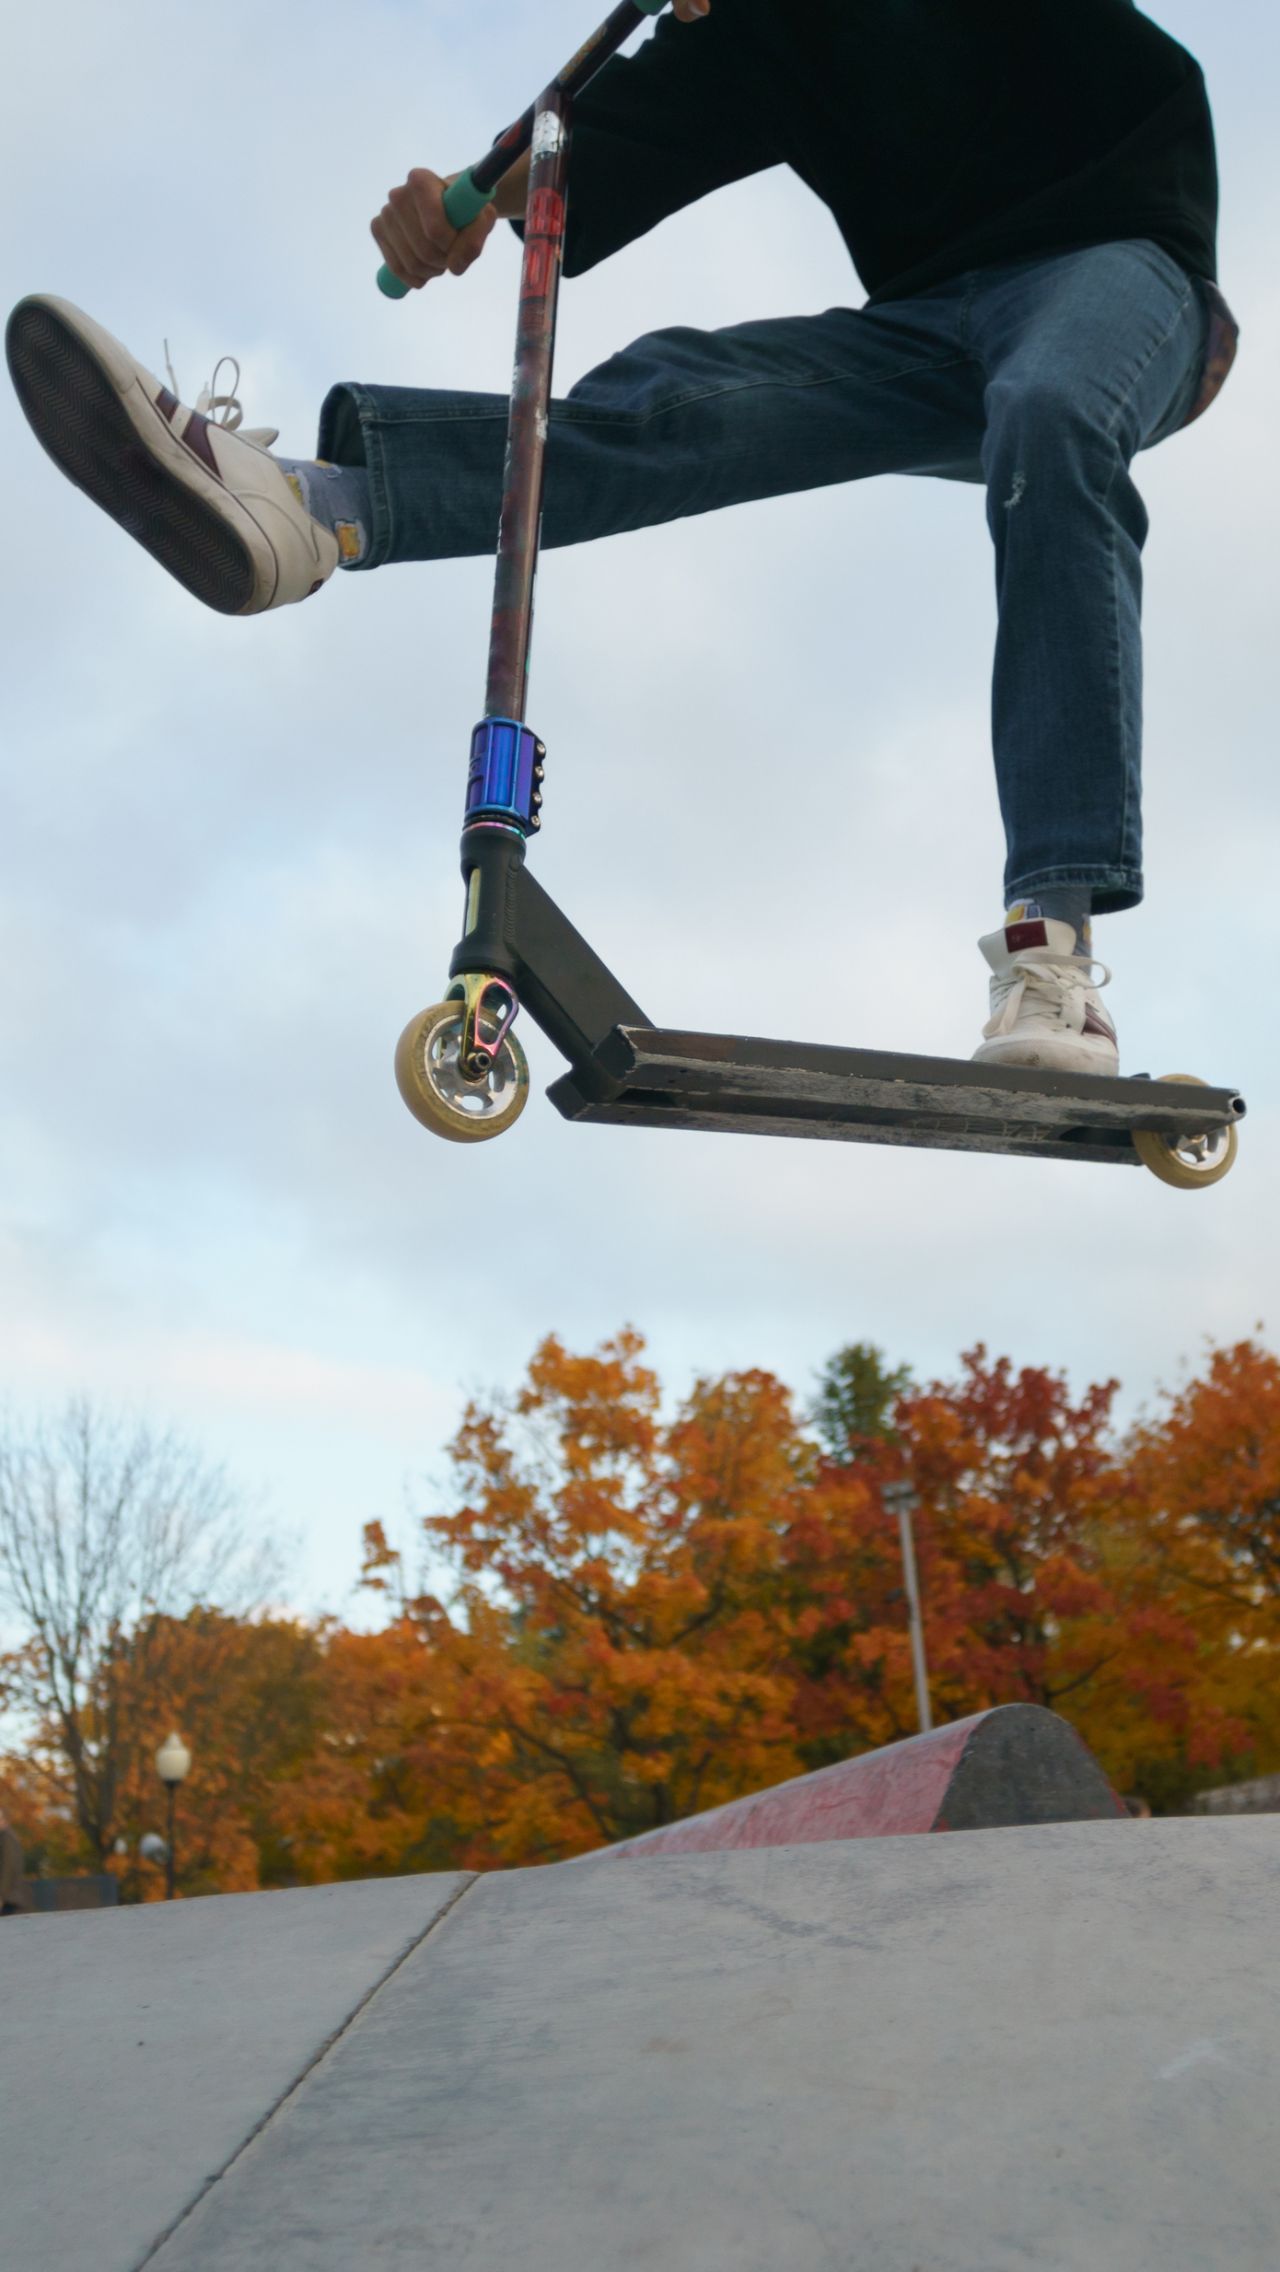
[1014, 1765]
[1051, 2047]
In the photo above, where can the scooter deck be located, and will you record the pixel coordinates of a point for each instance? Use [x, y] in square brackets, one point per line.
[640, 1077]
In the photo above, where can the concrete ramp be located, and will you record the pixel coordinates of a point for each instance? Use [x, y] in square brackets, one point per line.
[143, 2047]
[1002, 1769]
[1053, 2047]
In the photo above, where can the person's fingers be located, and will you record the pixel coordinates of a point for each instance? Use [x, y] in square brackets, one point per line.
[689, 11]
[418, 207]
[388, 244]
[471, 241]
[391, 245]
[399, 254]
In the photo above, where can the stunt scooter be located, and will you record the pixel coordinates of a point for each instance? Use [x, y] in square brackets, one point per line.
[459, 1065]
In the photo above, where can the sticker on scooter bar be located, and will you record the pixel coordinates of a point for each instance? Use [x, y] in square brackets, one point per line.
[548, 134]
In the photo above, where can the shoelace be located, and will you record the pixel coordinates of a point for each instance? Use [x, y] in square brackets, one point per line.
[1054, 983]
[224, 409]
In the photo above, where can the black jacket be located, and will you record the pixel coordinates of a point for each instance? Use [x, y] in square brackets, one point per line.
[944, 135]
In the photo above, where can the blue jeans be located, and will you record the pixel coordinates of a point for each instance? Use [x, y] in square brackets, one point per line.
[1042, 380]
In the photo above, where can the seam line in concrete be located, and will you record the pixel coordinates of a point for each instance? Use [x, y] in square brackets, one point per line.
[291, 2090]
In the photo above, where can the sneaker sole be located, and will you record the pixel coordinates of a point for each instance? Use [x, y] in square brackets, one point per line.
[75, 411]
[1047, 1057]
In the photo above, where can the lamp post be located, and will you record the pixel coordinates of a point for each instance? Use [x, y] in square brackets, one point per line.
[173, 1762]
[900, 1499]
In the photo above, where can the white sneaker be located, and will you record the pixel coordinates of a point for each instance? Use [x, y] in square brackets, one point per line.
[204, 499]
[1045, 1006]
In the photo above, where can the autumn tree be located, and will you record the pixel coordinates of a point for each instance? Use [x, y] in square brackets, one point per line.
[1048, 1575]
[615, 1652]
[651, 1611]
[396, 1780]
[854, 1407]
[1208, 1471]
[655, 1614]
[108, 1531]
[246, 1693]
[1009, 1471]
[619, 1634]
[1201, 1518]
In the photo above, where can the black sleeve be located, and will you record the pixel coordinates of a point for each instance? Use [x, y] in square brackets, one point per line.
[658, 130]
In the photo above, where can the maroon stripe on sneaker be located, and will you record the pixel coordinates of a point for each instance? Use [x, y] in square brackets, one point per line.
[195, 434]
[1021, 935]
[1097, 1021]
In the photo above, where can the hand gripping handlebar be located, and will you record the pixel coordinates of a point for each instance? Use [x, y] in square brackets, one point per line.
[468, 196]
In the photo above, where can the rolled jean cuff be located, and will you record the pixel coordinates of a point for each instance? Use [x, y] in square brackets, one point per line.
[434, 457]
[1111, 890]
[350, 434]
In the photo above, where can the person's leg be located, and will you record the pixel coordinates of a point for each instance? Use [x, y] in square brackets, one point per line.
[1088, 358]
[681, 422]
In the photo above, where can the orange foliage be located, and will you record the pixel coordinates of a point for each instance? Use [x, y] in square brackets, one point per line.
[242, 1692]
[653, 1615]
[1203, 1513]
[655, 1612]
[618, 1646]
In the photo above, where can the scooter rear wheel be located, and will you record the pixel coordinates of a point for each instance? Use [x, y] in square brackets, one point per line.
[1189, 1163]
[429, 1077]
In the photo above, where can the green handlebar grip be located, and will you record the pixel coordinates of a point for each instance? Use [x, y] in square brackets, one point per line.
[462, 203]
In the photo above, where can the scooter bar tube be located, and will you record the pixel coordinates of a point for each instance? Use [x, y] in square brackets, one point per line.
[523, 475]
[503, 783]
[468, 196]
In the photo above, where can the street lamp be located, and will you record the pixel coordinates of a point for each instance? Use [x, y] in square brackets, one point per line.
[173, 1762]
[900, 1499]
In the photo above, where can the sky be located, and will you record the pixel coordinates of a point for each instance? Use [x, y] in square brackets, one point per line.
[228, 853]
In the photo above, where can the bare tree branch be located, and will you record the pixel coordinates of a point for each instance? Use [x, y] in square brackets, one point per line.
[107, 1526]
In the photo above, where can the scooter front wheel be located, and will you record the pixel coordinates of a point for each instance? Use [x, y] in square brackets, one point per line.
[430, 1077]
